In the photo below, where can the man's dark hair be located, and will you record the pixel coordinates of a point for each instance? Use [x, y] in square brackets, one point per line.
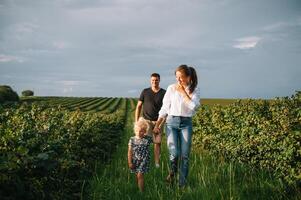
[155, 75]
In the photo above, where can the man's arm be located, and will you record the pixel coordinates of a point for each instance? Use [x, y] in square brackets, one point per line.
[138, 110]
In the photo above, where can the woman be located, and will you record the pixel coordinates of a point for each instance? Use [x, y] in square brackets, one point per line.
[179, 105]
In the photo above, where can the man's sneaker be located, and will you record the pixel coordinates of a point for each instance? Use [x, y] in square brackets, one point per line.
[157, 165]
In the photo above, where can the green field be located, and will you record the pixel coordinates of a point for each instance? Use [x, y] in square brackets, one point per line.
[74, 100]
[210, 177]
[93, 104]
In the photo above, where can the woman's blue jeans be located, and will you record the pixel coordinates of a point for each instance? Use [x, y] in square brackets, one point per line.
[179, 136]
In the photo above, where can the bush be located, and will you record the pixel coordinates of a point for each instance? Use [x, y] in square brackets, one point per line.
[47, 153]
[7, 94]
[264, 134]
[27, 93]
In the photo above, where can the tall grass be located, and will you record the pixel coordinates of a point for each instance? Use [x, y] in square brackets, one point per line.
[209, 178]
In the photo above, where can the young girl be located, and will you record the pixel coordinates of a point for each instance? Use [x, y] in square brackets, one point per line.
[138, 151]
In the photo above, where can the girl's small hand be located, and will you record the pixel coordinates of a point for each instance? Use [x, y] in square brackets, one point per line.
[131, 166]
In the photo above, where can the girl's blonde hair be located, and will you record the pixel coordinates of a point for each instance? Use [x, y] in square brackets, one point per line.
[142, 124]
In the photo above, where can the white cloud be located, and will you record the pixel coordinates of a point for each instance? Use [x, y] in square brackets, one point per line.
[132, 91]
[60, 44]
[26, 27]
[69, 83]
[275, 26]
[67, 90]
[247, 42]
[8, 58]
[68, 86]
[5, 76]
[283, 25]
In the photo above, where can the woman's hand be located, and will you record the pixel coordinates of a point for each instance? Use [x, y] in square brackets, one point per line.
[181, 89]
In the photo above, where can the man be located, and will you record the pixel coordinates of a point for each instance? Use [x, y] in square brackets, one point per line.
[151, 100]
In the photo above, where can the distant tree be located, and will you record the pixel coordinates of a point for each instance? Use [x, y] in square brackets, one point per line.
[27, 93]
[7, 94]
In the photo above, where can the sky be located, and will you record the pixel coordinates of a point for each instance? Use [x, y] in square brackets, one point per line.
[109, 48]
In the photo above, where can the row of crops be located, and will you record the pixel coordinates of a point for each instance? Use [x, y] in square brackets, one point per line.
[49, 145]
[86, 104]
[263, 134]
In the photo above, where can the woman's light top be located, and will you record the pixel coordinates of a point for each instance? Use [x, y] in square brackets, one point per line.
[174, 103]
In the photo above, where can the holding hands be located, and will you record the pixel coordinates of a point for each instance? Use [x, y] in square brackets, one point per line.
[158, 125]
[156, 130]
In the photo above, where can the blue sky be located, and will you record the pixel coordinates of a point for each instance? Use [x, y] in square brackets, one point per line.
[240, 49]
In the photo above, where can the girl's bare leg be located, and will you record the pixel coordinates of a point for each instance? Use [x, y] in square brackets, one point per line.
[157, 148]
[140, 179]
